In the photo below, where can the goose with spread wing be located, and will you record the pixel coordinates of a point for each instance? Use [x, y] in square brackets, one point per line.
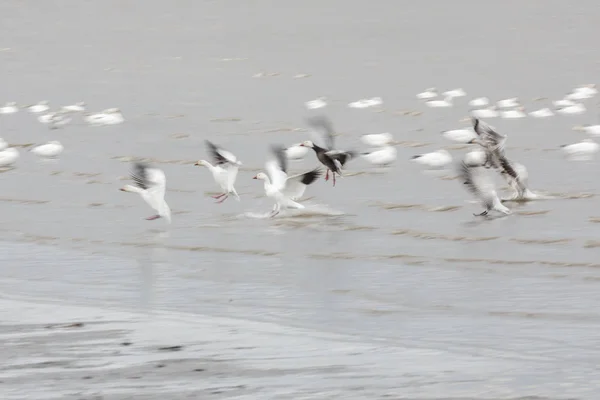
[478, 184]
[224, 170]
[282, 188]
[150, 183]
[333, 159]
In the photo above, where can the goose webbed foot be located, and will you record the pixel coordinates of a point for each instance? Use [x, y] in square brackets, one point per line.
[222, 200]
[483, 214]
[218, 196]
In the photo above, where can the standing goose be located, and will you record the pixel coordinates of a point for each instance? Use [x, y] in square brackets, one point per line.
[334, 160]
[150, 183]
[224, 170]
[282, 188]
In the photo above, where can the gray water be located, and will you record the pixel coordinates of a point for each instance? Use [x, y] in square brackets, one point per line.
[400, 263]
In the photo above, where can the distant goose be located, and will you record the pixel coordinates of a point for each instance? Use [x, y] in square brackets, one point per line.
[581, 151]
[576, 109]
[541, 113]
[55, 119]
[333, 159]
[40, 107]
[508, 103]
[587, 89]
[111, 116]
[593, 130]
[8, 156]
[316, 104]
[282, 188]
[460, 135]
[479, 102]
[512, 114]
[382, 156]
[9, 108]
[490, 112]
[77, 107]
[578, 96]
[377, 139]
[48, 150]
[224, 170]
[447, 102]
[473, 177]
[150, 183]
[564, 103]
[428, 94]
[435, 159]
[455, 93]
[296, 151]
[366, 103]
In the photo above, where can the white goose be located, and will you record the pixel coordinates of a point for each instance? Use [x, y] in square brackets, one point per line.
[381, 157]
[150, 183]
[296, 151]
[581, 151]
[377, 139]
[479, 102]
[428, 94]
[455, 93]
[593, 130]
[48, 150]
[40, 107]
[224, 171]
[508, 103]
[9, 108]
[447, 102]
[55, 119]
[512, 114]
[110, 116]
[315, 104]
[77, 107]
[576, 109]
[435, 159]
[282, 188]
[541, 113]
[8, 156]
[490, 112]
[460, 135]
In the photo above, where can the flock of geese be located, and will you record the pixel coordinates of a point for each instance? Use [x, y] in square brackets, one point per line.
[53, 119]
[285, 190]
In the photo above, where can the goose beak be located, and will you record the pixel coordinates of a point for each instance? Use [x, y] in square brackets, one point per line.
[256, 177]
[122, 189]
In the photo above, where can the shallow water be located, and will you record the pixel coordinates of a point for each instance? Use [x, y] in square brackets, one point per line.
[400, 261]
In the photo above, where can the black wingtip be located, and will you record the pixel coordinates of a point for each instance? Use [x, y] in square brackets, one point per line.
[417, 156]
[311, 176]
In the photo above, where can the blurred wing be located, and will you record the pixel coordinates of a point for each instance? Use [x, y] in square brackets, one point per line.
[276, 175]
[510, 169]
[232, 171]
[342, 156]
[477, 184]
[488, 134]
[139, 175]
[295, 186]
[322, 133]
[280, 157]
[219, 155]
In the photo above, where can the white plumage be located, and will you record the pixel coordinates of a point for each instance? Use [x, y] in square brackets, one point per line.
[49, 150]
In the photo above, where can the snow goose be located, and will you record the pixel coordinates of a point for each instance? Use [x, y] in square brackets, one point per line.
[55, 120]
[479, 102]
[48, 150]
[454, 93]
[478, 184]
[40, 107]
[580, 151]
[315, 104]
[333, 159]
[77, 107]
[512, 114]
[487, 136]
[563, 103]
[9, 108]
[575, 109]
[541, 113]
[377, 139]
[381, 157]
[296, 151]
[428, 94]
[447, 102]
[460, 135]
[224, 170]
[282, 188]
[490, 112]
[508, 103]
[589, 90]
[111, 116]
[435, 159]
[150, 183]
[593, 130]
[8, 156]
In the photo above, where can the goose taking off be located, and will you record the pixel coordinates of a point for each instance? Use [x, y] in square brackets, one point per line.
[282, 188]
[150, 183]
[224, 170]
[473, 177]
[334, 160]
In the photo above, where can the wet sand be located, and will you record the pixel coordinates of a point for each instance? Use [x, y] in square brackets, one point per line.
[387, 288]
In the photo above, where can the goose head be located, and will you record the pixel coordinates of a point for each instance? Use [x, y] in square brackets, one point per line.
[262, 176]
[307, 143]
[201, 163]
